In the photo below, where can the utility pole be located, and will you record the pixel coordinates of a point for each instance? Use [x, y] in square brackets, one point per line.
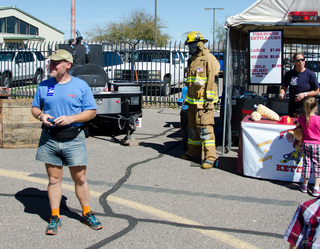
[214, 10]
[73, 19]
[155, 22]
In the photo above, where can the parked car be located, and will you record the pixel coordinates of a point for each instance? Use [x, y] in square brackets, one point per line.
[21, 65]
[111, 61]
[314, 65]
[220, 58]
[155, 68]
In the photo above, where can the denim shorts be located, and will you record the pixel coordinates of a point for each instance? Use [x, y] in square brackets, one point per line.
[62, 153]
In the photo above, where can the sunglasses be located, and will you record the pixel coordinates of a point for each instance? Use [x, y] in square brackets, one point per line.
[300, 60]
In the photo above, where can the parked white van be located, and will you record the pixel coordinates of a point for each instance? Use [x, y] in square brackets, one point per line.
[22, 65]
[111, 61]
[155, 68]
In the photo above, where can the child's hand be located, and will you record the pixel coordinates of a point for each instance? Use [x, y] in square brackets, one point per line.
[290, 137]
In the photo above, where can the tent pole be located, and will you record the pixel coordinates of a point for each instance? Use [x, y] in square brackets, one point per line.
[225, 83]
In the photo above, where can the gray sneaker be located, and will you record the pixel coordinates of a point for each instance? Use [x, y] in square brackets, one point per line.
[304, 188]
[316, 193]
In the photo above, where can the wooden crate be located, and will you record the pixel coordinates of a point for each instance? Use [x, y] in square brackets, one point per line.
[19, 129]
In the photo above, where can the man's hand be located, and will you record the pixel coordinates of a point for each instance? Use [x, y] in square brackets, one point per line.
[300, 97]
[282, 92]
[47, 119]
[63, 120]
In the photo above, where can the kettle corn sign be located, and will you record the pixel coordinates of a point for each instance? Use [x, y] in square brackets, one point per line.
[265, 57]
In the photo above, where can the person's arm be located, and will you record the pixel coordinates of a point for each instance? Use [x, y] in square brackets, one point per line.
[296, 228]
[36, 112]
[292, 246]
[314, 84]
[77, 118]
[282, 92]
[303, 95]
[213, 68]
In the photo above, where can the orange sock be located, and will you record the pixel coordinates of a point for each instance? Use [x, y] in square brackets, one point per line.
[85, 210]
[56, 212]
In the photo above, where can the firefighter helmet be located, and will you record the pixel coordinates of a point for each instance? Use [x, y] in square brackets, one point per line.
[195, 36]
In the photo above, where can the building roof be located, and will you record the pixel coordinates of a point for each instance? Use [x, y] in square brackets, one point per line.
[25, 13]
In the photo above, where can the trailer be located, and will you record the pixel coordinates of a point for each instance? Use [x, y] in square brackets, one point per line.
[117, 103]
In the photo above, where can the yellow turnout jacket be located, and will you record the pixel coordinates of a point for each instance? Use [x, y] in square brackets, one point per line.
[201, 72]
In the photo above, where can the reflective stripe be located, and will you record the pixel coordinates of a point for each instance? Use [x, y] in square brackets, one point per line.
[200, 101]
[195, 101]
[193, 78]
[209, 143]
[194, 142]
[212, 95]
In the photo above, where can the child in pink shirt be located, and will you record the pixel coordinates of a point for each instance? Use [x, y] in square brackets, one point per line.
[310, 124]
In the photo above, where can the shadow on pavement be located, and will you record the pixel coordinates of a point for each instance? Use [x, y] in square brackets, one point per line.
[228, 164]
[36, 201]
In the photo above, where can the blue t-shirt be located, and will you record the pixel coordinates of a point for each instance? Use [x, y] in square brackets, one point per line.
[300, 82]
[66, 99]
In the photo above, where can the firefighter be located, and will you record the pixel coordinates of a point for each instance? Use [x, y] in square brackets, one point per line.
[201, 96]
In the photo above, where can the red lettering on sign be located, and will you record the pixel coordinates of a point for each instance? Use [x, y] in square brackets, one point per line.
[283, 133]
[289, 168]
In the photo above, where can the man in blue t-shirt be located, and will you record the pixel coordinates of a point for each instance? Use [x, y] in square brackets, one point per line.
[302, 83]
[63, 103]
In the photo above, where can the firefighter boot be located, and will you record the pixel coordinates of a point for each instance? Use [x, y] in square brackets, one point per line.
[207, 164]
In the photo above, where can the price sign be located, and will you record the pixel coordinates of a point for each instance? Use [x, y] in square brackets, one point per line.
[266, 48]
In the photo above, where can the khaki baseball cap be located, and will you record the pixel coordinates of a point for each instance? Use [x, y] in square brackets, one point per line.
[61, 54]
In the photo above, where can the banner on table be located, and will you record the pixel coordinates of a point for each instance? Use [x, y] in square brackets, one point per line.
[268, 154]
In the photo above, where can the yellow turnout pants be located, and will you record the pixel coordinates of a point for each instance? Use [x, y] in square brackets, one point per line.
[201, 139]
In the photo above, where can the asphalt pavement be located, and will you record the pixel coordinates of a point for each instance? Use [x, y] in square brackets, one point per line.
[146, 197]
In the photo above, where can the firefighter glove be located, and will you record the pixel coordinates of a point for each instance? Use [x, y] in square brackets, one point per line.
[208, 104]
[200, 94]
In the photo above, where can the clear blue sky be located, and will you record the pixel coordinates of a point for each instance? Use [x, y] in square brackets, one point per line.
[179, 16]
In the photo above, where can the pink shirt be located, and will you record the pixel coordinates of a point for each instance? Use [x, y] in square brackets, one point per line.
[312, 134]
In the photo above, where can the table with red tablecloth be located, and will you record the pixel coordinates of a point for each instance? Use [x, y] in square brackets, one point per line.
[265, 152]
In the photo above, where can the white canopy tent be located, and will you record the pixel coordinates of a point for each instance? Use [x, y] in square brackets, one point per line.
[269, 13]
[262, 15]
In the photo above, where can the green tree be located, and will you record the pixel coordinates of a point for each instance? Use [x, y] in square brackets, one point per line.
[137, 27]
[221, 36]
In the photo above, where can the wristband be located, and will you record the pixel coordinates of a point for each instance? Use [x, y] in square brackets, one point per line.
[39, 116]
[305, 94]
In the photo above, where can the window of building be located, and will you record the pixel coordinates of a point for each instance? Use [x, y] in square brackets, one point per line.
[2, 25]
[12, 25]
[33, 30]
[23, 28]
